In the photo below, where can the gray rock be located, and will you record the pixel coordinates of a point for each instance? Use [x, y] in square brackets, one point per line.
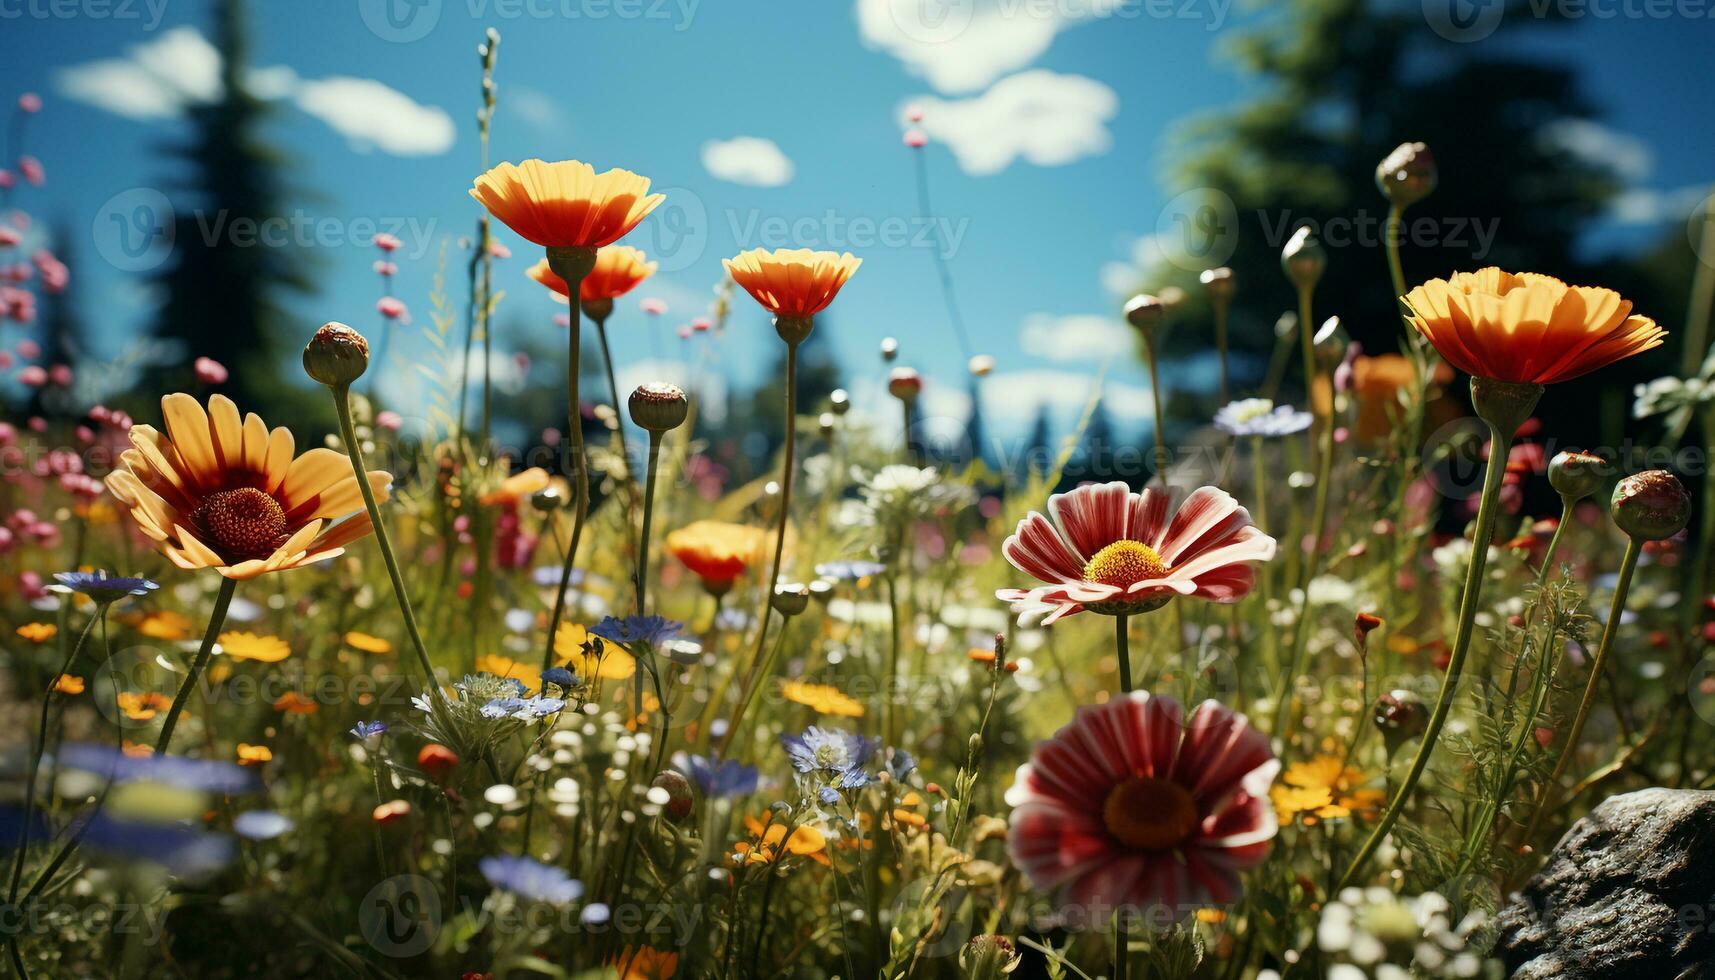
[1627, 894]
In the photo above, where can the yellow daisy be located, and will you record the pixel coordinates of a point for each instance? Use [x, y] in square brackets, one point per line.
[364, 643]
[822, 698]
[166, 625]
[253, 755]
[1324, 788]
[68, 684]
[252, 646]
[569, 651]
[499, 666]
[38, 632]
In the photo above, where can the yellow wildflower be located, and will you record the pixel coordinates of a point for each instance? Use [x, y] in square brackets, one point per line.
[252, 646]
[822, 698]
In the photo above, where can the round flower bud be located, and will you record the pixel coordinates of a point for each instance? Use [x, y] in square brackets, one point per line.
[547, 500]
[904, 384]
[336, 355]
[1576, 475]
[679, 795]
[1220, 283]
[889, 348]
[1330, 344]
[1144, 311]
[437, 760]
[981, 366]
[659, 406]
[1407, 175]
[1399, 715]
[598, 309]
[790, 599]
[1303, 259]
[839, 402]
[825, 422]
[1651, 505]
[822, 590]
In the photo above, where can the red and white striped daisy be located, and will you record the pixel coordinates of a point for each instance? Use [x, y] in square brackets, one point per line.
[1115, 552]
[1132, 805]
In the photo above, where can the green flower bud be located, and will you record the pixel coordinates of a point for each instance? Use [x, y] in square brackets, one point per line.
[659, 406]
[1303, 259]
[1576, 475]
[1144, 311]
[1330, 344]
[790, 599]
[598, 310]
[336, 355]
[1220, 283]
[1651, 505]
[679, 795]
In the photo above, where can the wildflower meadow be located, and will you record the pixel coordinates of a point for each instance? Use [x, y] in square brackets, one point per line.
[395, 651]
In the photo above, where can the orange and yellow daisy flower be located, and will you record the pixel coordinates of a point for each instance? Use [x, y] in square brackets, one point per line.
[252, 646]
[565, 204]
[618, 270]
[766, 839]
[1324, 788]
[142, 705]
[221, 492]
[792, 282]
[1527, 328]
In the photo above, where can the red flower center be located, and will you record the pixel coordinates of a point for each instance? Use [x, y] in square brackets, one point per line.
[1124, 563]
[1150, 814]
[242, 524]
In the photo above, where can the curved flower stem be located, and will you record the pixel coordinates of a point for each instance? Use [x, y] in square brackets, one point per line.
[786, 467]
[342, 406]
[1306, 330]
[1265, 578]
[1390, 238]
[648, 515]
[41, 745]
[216, 619]
[573, 273]
[619, 426]
[891, 732]
[1499, 444]
[1122, 647]
[1598, 667]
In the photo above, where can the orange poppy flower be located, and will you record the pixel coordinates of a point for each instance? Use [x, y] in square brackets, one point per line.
[1376, 384]
[517, 486]
[792, 282]
[217, 492]
[1527, 328]
[718, 552]
[253, 755]
[618, 270]
[645, 963]
[565, 204]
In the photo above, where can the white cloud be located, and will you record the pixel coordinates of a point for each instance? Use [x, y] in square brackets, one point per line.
[156, 80]
[370, 114]
[536, 107]
[963, 45]
[161, 78]
[1629, 157]
[1079, 337]
[749, 160]
[1648, 206]
[1045, 118]
[1011, 399]
[1121, 278]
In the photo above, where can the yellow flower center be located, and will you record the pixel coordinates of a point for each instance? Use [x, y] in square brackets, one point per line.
[1124, 563]
[1150, 814]
[242, 524]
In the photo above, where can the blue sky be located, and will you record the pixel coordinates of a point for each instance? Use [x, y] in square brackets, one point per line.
[766, 124]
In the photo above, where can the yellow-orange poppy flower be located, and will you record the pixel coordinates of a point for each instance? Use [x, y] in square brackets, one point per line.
[822, 699]
[219, 492]
[1527, 328]
[253, 755]
[68, 684]
[718, 552]
[38, 632]
[166, 625]
[253, 646]
[293, 703]
[142, 705]
[792, 282]
[766, 838]
[1324, 788]
[618, 270]
[516, 487]
[645, 963]
[364, 643]
[565, 204]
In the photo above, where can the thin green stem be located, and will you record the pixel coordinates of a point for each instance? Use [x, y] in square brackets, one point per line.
[1566, 505]
[613, 390]
[787, 465]
[887, 690]
[1307, 348]
[342, 406]
[1301, 624]
[1155, 397]
[1616, 609]
[39, 747]
[1487, 508]
[216, 619]
[1122, 649]
[575, 433]
[1390, 239]
[648, 516]
[1265, 576]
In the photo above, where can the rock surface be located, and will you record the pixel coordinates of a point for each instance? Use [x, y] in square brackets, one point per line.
[1627, 894]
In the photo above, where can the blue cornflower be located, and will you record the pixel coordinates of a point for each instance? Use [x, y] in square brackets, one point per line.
[207, 775]
[102, 587]
[718, 778]
[850, 570]
[261, 824]
[363, 731]
[900, 763]
[530, 879]
[1260, 417]
[561, 678]
[632, 630]
[839, 755]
